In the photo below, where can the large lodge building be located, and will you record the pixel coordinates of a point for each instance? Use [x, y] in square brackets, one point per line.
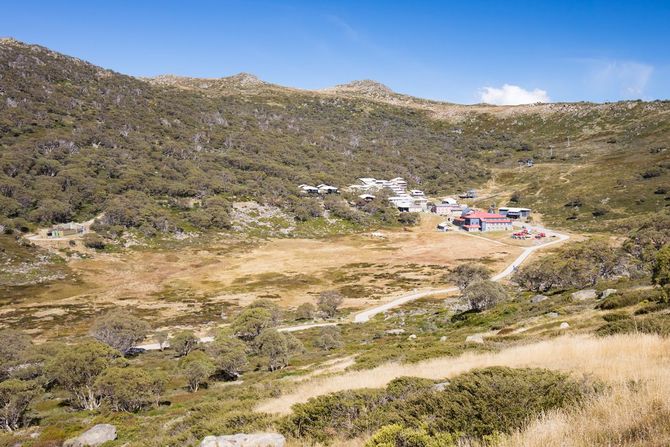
[481, 221]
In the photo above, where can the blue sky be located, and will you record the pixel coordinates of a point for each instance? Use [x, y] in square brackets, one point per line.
[459, 51]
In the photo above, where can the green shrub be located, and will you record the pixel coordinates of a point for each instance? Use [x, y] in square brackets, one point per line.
[628, 298]
[321, 417]
[483, 295]
[329, 338]
[129, 389]
[184, 342]
[398, 436]
[651, 308]
[94, 241]
[476, 404]
[573, 266]
[485, 401]
[653, 324]
[616, 316]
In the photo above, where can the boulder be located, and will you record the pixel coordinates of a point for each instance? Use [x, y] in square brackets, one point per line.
[395, 331]
[245, 440]
[587, 294]
[607, 292]
[476, 338]
[552, 314]
[538, 299]
[459, 308]
[441, 386]
[412, 337]
[443, 338]
[564, 325]
[95, 436]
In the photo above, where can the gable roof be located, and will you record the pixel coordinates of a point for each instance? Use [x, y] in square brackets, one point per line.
[486, 217]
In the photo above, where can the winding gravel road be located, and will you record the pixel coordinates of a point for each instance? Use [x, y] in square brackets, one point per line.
[553, 235]
[365, 315]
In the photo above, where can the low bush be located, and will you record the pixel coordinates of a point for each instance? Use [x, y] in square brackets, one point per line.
[338, 413]
[329, 338]
[628, 298]
[573, 266]
[184, 342]
[475, 404]
[396, 435]
[652, 324]
[483, 295]
[94, 241]
[616, 316]
[130, 389]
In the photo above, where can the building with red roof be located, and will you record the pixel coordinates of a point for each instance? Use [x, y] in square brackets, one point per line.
[481, 221]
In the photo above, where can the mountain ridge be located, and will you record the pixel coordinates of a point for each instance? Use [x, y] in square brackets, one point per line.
[76, 138]
[365, 87]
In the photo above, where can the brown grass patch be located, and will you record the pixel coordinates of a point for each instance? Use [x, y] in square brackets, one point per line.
[175, 283]
[616, 360]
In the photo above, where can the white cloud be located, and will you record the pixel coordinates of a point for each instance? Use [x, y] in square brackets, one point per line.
[628, 79]
[512, 95]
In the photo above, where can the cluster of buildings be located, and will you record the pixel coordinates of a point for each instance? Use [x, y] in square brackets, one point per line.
[397, 185]
[482, 221]
[413, 201]
[474, 220]
[318, 189]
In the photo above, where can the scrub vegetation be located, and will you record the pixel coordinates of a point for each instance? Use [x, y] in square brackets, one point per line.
[210, 297]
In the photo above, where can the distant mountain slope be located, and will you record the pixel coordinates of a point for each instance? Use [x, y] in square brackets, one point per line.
[76, 139]
[75, 136]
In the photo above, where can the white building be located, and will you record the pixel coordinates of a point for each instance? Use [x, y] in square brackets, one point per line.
[448, 207]
[397, 185]
[514, 213]
[409, 204]
[443, 226]
[308, 189]
[327, 189]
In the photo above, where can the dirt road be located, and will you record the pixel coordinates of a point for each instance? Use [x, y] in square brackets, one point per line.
[554, 237]
[362, 317]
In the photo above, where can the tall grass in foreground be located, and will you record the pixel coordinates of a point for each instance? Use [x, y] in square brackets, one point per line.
[629, 414]
[629, 363]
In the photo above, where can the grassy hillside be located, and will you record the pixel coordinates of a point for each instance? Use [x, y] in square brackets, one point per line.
[75, 136]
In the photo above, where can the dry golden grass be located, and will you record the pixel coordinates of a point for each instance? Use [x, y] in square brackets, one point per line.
[636, 413]
[616, 360]
[142, 279]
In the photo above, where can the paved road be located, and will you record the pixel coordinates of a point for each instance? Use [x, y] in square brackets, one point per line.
[362, 317]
